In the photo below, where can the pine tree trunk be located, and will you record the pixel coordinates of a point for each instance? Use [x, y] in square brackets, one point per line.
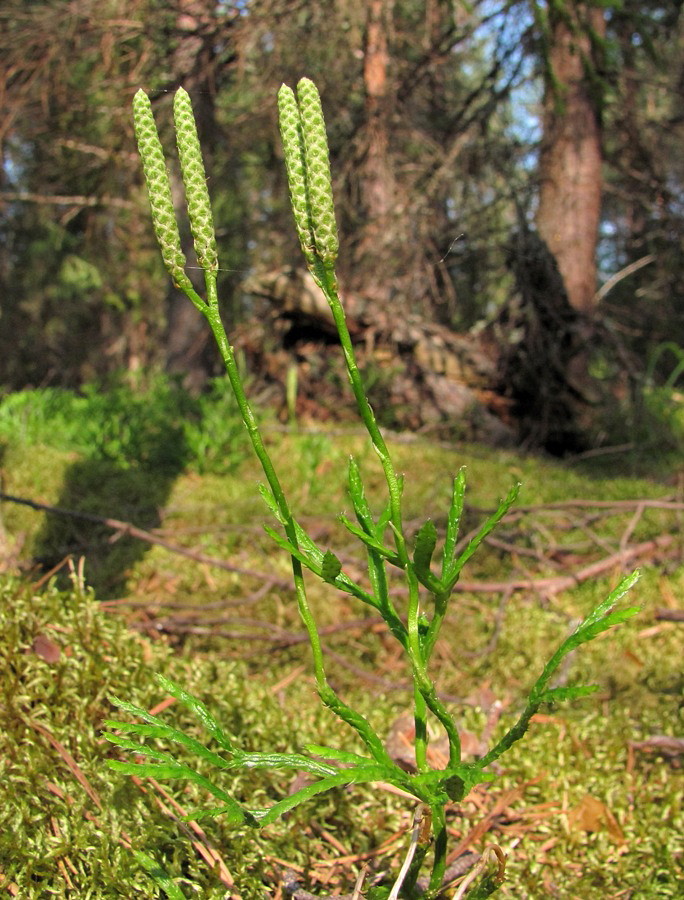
[378, 174]
[376, 182]
[570, 160]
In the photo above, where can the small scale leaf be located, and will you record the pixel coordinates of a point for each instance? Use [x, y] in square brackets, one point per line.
[426, 539]
[153, 770]
[135, 747]
[371, 542]
[270, 501]
[454, 519]
[386, 514]
[136, 711]
[358, 775]
[126, 727]
[286, 761]
[313, 560]
[309, 560]
[340, 755]
[199, 709]
[556, 695]
[606, 605]
[331, 567]
[617, 617]
[305, 542]
[167, 732]
[453, 569]
[159, 875]
[358, 497]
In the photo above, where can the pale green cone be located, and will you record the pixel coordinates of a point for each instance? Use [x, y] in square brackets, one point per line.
[195, 181]
[318, 181]
[158, 188]
[293, 147]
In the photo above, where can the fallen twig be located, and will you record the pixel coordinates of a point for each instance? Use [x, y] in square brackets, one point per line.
[669, 615]
[546, 586]
[127, 528]
[556, 583]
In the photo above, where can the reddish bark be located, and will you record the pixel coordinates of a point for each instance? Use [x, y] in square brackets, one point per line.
[570, 160]
[378, 179]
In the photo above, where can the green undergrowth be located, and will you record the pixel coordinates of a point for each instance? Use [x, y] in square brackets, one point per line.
[154, 425]
[625, 840]
[221, 514]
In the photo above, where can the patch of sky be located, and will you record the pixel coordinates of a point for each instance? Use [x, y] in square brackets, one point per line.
[505, 31]
[241, 6]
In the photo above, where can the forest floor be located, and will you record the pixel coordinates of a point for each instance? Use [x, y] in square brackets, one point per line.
[588, 805]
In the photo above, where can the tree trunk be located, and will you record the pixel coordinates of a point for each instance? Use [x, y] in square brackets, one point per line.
[570, 160]
[376, 182]
[379, 194]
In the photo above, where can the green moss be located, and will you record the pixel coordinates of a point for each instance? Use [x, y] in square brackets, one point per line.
[55, 838]
[50, 829]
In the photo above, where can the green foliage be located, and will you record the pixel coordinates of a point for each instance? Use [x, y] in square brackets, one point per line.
[462, 96]
[159, 875]
[652, 421]
[59, 803]
[66, 823]
[663, 403]
[158, 427]
[384, 541]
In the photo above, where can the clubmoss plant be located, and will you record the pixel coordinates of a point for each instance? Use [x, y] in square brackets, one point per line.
[430, 583]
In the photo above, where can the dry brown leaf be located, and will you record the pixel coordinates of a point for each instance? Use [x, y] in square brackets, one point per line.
[591, 815]
[45, 648]
[400, 745]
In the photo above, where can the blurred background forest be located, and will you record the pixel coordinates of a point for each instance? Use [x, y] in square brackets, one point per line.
[509, 178]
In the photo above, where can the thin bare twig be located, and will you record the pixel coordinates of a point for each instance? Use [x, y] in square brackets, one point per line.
[66, 200]
[623, 273]
[493, 851]
[418, 816]
[663, 614]
[356, 893]
[557, 583]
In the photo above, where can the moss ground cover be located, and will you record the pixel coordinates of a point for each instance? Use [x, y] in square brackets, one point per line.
[579, 812]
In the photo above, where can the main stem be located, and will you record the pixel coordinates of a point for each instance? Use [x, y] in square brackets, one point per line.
[211, 312]
[327, 281]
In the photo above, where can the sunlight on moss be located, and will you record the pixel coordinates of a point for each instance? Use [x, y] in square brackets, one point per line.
[574, 753]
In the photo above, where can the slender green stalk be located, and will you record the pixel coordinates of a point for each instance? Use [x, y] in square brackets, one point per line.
[326, 693]
[439, 830]
[424, 686]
